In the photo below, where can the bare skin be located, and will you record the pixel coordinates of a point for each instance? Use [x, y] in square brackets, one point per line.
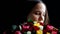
[38, 13]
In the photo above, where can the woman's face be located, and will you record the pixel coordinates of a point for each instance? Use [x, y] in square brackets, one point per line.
[38, 13]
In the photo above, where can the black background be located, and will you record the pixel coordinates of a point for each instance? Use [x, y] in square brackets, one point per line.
[9, 12]
[53, 11]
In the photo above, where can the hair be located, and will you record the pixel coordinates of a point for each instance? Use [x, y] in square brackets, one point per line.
[28, 6]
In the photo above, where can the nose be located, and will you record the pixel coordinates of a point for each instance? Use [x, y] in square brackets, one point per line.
[40, 18]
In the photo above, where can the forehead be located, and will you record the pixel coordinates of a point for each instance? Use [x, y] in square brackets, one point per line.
[40, 7]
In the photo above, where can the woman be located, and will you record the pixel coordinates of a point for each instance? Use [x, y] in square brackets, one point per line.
[36, 11]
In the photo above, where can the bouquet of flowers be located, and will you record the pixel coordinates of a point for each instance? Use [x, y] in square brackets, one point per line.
[33, 27]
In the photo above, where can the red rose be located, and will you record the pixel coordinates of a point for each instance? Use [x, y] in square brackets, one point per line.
[36, 28]
[18, 32]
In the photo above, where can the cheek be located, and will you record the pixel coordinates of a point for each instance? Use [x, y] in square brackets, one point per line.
[35, 17]
[43, 18]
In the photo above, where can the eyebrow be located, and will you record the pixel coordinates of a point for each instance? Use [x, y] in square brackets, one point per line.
[38, 11]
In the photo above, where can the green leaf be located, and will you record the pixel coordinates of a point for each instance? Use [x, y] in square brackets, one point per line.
[14, 27]
[30, 20]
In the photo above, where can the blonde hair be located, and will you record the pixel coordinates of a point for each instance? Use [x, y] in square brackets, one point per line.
[46, 15]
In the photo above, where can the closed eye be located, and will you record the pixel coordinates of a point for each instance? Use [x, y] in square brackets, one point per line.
[37, 13]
